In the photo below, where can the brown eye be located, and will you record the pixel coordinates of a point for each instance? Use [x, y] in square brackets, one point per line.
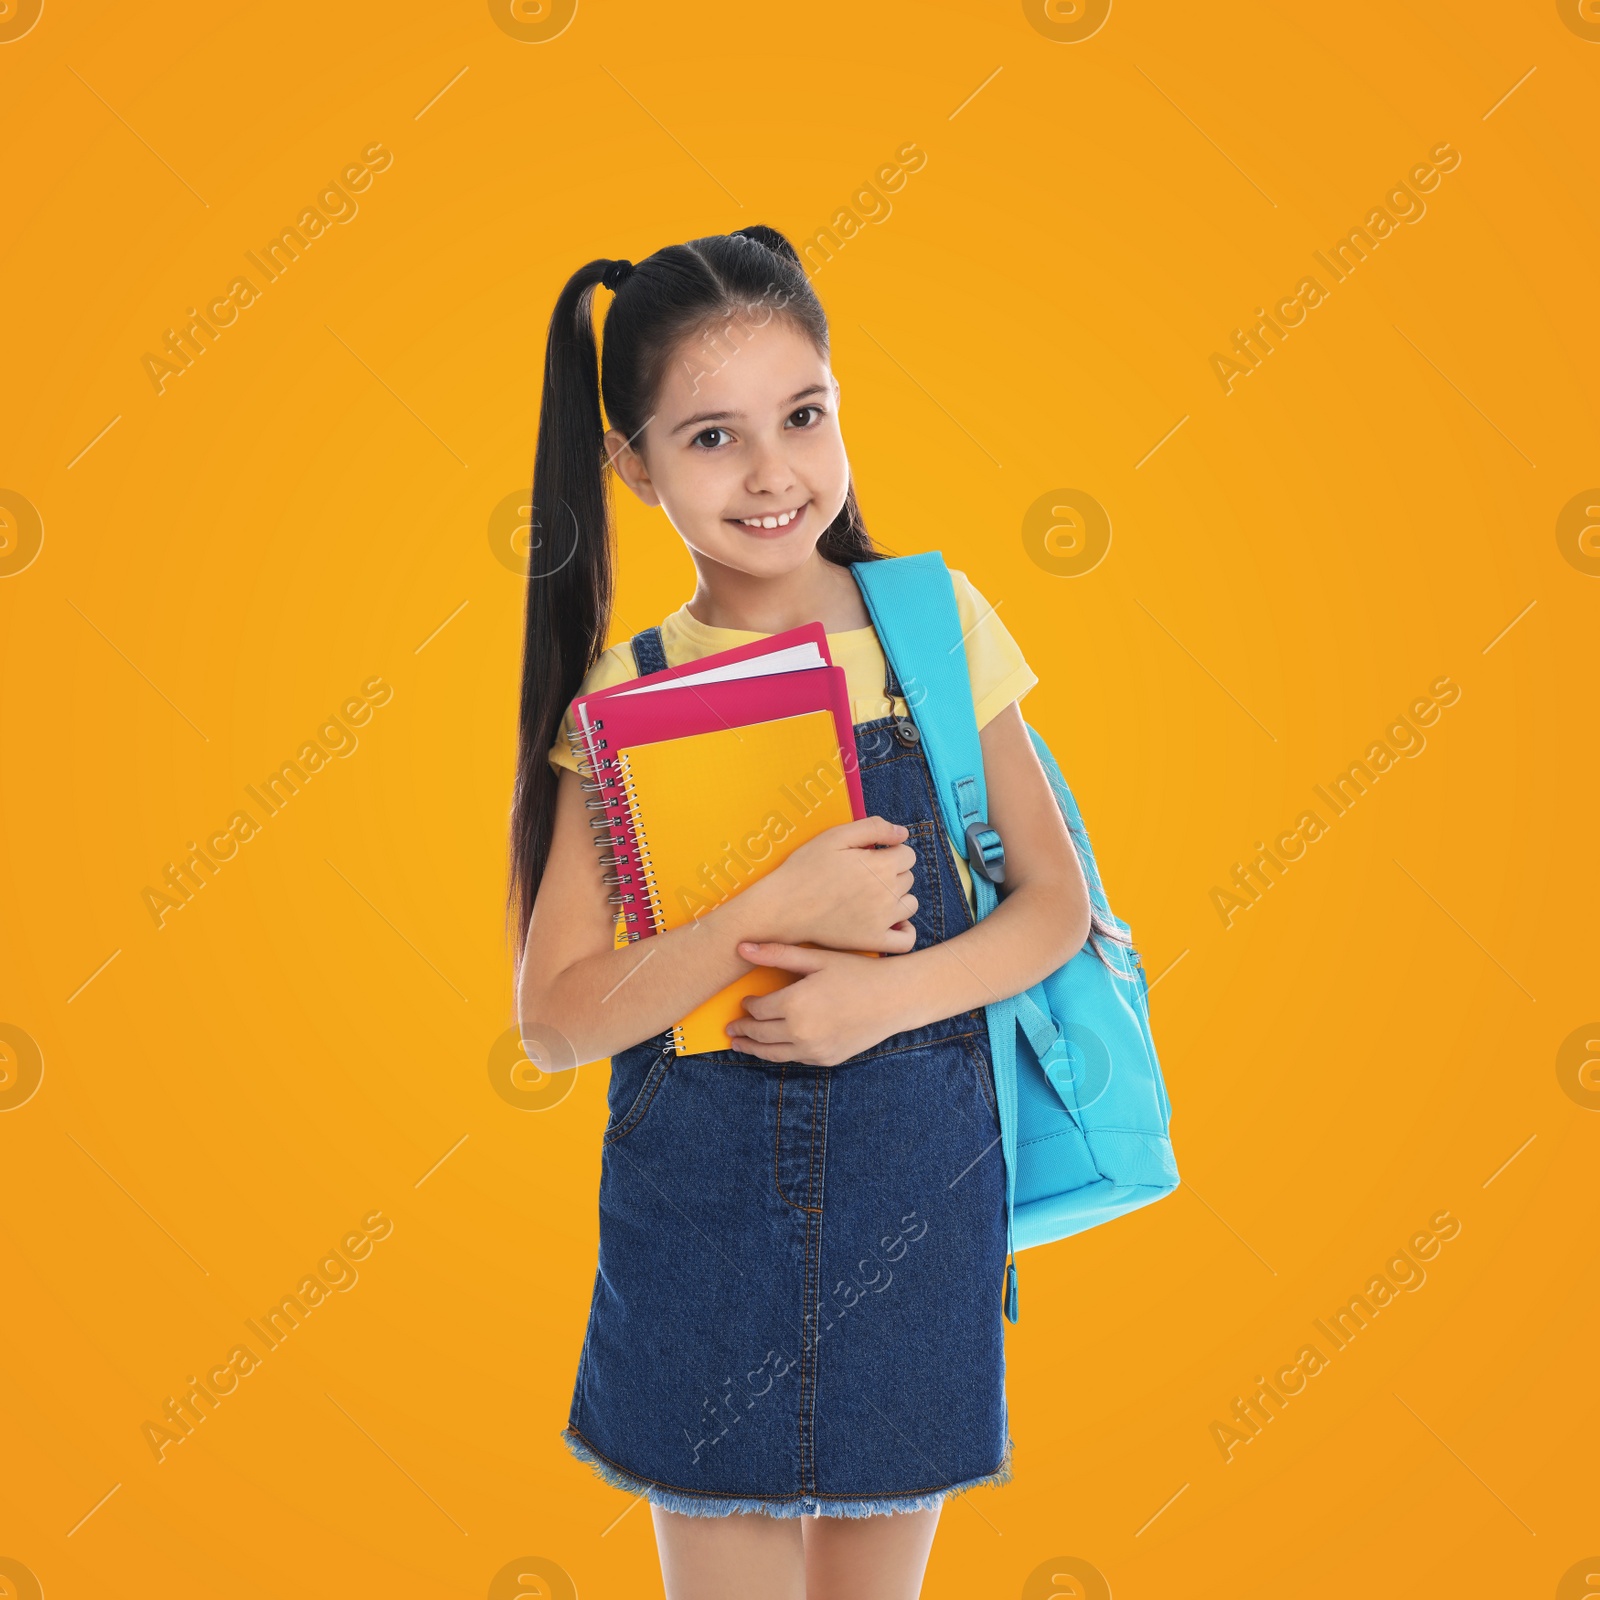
[699, 436]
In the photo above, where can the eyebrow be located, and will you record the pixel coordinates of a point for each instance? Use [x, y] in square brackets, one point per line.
[729, 416]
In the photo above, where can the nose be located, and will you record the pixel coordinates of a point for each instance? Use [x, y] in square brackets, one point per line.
[770, 471]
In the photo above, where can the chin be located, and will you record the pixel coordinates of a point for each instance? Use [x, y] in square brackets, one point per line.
[760, 559]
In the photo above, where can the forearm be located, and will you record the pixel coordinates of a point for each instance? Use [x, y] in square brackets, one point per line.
[607, 1002]
[1029, 933]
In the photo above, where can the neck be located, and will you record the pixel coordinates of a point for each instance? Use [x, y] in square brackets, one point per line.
[816, 591]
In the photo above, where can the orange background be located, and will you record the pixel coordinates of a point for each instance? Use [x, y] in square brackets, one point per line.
[310, 505]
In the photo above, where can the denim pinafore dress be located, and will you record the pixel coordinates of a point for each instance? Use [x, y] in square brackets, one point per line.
[798, 1303]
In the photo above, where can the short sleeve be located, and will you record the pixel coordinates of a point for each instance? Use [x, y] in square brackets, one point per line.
[994, 660]
[614, 666]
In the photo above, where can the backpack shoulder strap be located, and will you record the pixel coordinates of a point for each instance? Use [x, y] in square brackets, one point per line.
[912, 603]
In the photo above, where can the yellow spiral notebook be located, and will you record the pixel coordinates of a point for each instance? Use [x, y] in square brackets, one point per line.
[712, 812]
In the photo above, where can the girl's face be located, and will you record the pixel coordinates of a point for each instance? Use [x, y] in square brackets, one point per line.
[745, 433]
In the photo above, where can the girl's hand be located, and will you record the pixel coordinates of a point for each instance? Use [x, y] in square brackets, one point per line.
[842, 1005]
[839, 891]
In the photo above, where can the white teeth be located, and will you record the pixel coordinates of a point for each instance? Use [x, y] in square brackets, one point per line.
[782, 520]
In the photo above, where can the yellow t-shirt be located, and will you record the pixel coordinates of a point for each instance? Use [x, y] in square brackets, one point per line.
[995, 665]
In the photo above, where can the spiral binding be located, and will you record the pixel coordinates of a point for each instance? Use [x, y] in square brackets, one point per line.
[594, 786]
[641, 847]
[647, 871]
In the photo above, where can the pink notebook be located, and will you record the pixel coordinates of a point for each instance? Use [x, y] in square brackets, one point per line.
[784, 675]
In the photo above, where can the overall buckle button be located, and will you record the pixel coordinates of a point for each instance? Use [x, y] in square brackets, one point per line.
[906, 732]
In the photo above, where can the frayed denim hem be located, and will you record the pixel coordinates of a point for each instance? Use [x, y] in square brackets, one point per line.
[693, 1504]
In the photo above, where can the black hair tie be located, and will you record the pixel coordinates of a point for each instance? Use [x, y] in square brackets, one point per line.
[616, 274]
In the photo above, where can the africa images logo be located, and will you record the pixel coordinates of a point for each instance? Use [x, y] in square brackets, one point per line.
[1402, 203]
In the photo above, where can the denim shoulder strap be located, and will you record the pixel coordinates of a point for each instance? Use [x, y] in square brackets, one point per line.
[649, 654]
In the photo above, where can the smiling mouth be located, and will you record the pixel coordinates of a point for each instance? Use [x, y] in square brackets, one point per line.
[772, 522]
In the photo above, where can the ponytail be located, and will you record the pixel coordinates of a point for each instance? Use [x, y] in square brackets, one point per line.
[571, 565]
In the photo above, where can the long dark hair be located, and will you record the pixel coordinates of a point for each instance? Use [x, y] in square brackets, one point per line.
[679, 291]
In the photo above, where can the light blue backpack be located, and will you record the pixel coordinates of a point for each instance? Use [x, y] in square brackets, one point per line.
[1083, 1111]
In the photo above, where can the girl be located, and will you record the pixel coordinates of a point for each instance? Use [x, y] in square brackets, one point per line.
[794, 1348]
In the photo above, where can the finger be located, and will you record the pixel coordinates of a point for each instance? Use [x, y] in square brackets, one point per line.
[763, 1052]
[763, 1007]
[760, 1008]
[787, 957]
[895, 940]
[865, 832]
[753, 1028]
[900, 858]
[895, 875]
[906, 906]
[892, 941]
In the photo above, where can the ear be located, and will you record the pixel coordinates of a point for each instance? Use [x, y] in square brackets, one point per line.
[630, 466]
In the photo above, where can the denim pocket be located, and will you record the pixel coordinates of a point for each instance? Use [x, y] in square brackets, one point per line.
[627, 1113]
[928, 922]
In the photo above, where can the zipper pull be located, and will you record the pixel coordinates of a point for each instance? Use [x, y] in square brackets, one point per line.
[1011, 1291]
